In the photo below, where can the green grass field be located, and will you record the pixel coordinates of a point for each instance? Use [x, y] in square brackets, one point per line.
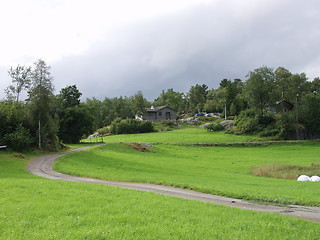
[183, 135]
[32, 207]
[217, 170]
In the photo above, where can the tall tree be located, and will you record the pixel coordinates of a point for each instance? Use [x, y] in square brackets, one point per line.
[282, 83]
[75, 118]
[70, 96]
[171, 99]
[197, 97]
[21, 81]
[40, 102]
[258, 88]
[139, 103]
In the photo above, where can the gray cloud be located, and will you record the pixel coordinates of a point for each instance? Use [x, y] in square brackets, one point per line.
[205, 44]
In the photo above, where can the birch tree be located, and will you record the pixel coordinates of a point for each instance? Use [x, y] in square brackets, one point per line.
[40, 101]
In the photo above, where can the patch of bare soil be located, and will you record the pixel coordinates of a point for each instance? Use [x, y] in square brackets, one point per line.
[139, 147]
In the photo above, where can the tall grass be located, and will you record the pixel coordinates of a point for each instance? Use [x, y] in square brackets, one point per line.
[286, 171]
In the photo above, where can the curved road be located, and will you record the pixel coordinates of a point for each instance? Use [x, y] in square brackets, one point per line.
[42, 166]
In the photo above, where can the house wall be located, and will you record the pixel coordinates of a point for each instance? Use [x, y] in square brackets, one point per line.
[150, 116]
[161, 115]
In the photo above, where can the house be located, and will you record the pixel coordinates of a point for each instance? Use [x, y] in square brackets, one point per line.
[281, 106]
[160, 114]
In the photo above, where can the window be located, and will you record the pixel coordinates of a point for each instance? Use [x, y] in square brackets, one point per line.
[160, 113]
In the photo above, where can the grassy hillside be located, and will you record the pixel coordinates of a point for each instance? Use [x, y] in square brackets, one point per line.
[36, 208]
[183, 135]
[217, 170]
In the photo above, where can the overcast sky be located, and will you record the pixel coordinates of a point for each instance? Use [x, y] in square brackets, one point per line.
[112, 48]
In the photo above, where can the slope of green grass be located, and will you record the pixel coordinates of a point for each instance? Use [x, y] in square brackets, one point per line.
[36, 208]
[217, 170]
[183, 135]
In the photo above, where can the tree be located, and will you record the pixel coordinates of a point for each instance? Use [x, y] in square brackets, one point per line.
[197, 97]
[75, 122]
[75, 119]
[40, 103]
[282, 83]
[21, 81]
[315, 86]
[171, 99]
[70, 96]
[139, 103]
[310, 114]
[258, 88]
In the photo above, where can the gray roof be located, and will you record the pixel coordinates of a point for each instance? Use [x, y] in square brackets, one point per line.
[156, 109]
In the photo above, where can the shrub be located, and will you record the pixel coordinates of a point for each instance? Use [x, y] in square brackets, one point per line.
[285, 126]
[128, 126]
[215, 126]
[20, 139]
[247, 121]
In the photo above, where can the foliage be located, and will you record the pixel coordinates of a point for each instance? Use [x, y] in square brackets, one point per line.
[129, 126]
[258, 88]
[20, 139]
[75, 118]
[310, 114]
[21, 81]
[70, 96]
[171, 99]
[286, 126]
[197, 97]
[139, 103]
[75, 122]
[167, 125]
[247, 121]
[12, 114]
[40, 103]
[215, 126]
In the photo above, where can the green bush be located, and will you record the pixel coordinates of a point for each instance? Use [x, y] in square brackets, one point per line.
[215, 126]
[285, 126]
[128, 126]
[247, 121]
[20, 139]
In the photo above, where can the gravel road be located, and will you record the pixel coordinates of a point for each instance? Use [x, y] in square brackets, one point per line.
[42, 166]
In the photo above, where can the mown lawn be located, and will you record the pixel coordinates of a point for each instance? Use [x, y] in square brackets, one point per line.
[217, 170]
[183, 135]
[36, 208]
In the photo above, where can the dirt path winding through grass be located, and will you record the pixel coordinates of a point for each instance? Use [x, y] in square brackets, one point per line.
[42, 166]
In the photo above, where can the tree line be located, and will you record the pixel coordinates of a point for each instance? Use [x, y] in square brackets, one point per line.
[269, 102]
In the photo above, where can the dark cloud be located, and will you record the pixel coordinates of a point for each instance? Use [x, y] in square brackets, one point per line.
[200, 45]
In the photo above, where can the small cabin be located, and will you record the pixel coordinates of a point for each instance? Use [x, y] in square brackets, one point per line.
[162, 113]
[281, 106]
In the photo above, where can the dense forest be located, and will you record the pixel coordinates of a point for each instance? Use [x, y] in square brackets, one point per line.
[269, 103]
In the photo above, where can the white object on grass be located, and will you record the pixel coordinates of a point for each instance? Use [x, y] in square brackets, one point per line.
[303, 178]
[315, 179]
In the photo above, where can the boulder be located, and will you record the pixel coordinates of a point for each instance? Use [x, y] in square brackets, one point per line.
[227, 124]
[191, 120]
